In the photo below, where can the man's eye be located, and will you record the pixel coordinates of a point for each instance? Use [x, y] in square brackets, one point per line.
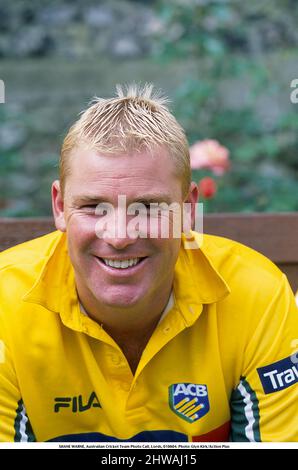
[90, 207]
[144, 209]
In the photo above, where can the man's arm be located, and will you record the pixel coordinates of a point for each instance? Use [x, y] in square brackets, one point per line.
[264, 405]
[14, 423]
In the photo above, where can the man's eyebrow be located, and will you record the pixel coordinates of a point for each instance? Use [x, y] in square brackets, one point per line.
[88, 199]
[153, 198]
[144, 198]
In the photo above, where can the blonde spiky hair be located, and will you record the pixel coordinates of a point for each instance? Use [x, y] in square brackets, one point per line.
[136, 119]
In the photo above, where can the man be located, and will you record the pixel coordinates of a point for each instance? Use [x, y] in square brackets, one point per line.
[130, 335]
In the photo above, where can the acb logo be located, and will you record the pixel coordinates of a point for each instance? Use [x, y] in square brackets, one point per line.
[189, 401]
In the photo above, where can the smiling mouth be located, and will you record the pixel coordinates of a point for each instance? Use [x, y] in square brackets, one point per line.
[121, 264]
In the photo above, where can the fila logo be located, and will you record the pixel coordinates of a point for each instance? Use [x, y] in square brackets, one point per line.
[76, 403]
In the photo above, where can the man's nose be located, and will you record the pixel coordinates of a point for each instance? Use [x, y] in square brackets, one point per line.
[120, 237]
[119, 243]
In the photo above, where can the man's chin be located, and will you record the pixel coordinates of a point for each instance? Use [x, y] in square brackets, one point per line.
[121, 300]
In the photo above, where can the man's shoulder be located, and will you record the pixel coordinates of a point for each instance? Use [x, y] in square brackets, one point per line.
[239, 264]
[21, 265]
[254, 282]
[30, 251]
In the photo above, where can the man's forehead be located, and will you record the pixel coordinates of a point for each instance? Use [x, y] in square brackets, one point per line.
[126, 180]
[138, 176]
[128, 197]
[84, 158]
[84, 149]
[90, 166]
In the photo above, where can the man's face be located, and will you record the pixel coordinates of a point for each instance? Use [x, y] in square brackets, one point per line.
[95, 178]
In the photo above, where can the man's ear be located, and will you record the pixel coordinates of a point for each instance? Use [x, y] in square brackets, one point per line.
[192, 198]
[58, 207]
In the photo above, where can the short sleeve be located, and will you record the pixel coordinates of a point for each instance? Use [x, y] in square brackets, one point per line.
[264, 405]
[14, 423]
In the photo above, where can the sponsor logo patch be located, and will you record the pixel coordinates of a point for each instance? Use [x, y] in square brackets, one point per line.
[189, 401]
[279, 375]
[76, 404]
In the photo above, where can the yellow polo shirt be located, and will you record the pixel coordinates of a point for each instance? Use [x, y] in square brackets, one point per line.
[221, 364]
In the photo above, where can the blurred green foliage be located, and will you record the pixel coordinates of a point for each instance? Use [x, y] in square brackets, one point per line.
[232, 42]
[226, 65]
[22, 196]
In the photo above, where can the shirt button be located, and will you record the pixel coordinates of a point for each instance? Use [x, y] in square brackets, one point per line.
[125, 386]
[116, 360]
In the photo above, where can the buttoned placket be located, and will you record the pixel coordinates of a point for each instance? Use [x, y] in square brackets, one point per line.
[117, 369]
[182, 315]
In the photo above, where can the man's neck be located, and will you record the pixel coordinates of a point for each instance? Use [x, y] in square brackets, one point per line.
[127, 318]
[132, 344]
[130, 328]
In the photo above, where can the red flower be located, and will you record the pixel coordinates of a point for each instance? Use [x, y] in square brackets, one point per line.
[207, 187]
[209, 154]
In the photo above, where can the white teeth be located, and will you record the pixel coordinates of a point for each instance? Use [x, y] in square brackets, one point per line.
[122, 264]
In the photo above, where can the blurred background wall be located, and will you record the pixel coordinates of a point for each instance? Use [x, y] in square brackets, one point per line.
[227, 66]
